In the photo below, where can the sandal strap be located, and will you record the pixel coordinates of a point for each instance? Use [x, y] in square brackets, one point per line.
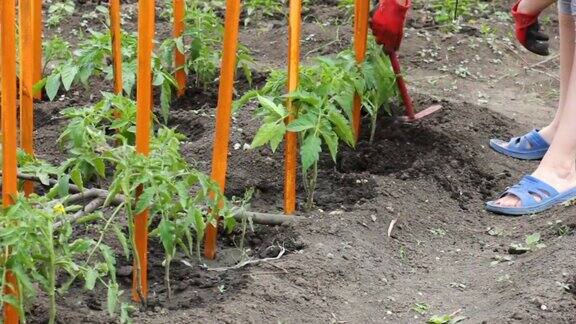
[532, 140]
[528, 188]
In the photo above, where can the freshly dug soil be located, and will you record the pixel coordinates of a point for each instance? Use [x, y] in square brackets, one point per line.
[425, 183]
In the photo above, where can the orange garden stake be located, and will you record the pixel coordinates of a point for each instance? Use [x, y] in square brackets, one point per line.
[179, 59]
[116, 35]
[143, 125]
[291, 150]
[361, 13]
[37, 44]
[26, 83]
[8, 104]
[223, 112]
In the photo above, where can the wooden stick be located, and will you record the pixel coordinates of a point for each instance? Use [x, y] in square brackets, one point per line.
[179, 59]
[223, 112]
[146, 16]
[249, 261]
[9, 134]
[265, 218]
[291, 150]
[26, 84]
[116, 35]
[238, 214]
[361, 13]
[37, 44]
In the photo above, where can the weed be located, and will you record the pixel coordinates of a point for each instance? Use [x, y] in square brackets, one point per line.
[560, 228]
[421, 308]
[531, 243]
[446, 319]
[438, 232]
[58, 11]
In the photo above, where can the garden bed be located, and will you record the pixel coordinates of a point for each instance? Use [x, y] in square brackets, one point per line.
[399, 233]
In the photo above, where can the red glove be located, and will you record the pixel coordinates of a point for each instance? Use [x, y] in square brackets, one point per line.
[528, 31]
[387, 23]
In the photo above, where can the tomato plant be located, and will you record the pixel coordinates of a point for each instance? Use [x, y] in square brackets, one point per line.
[184, 198]
[324, 99]
[93, 131]
[36, 252]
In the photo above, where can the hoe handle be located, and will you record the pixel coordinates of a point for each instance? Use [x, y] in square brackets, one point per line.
[402, 85]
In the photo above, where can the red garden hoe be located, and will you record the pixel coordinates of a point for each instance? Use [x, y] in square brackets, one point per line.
[409, 114]
[387, 25]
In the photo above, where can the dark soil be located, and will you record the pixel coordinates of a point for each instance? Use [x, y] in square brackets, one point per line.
[430, 178]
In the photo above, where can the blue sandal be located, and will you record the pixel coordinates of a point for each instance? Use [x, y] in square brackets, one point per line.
[528, 147]
[526, 190]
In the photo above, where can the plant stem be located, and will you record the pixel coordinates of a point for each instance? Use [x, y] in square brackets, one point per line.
[310, 179]
[51, 289]
[167, 275]
[374, 119]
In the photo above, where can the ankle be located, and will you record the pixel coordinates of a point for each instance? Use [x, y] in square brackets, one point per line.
[548, 132]
[561, 170]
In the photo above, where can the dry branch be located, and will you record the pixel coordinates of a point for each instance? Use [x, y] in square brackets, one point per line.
[98, 197]
[249, 261]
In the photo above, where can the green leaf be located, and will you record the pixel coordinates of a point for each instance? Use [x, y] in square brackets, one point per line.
[195, 48]
[533, 239]
[165, 99]
[310, 98]
[39, 86]
[63, 185]
[98, 163]
[158, 79]
[310, 151]
[342, 127]
[199, 223]
[52, 85]
[122, 239]
[90, 276]
[68, 75]
[166, 231]
[268, 104]
[76, 177]
[303, 123]
[272, 133]
[44, 178]
[112, 300]
[144, 200]
[180, 45]
[331, 140]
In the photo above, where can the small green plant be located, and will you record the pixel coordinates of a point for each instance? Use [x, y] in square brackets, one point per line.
[258, 9]
[531, 243]
[59, 10]
[421, 308]
[438, 232]
[560, 228]
[402, 253]
[347, 6]
[93, 131]
[446, 319]
[446, 11]
[202, 45]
